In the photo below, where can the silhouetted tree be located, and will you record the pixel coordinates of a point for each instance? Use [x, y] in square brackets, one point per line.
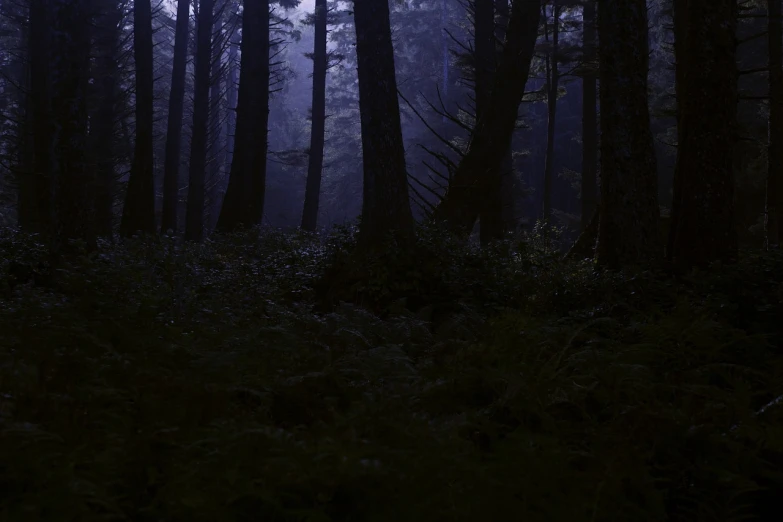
[138, 213]
[174, 127]
[386, 207]
[702, 226]
[194, 218]
[628, 222]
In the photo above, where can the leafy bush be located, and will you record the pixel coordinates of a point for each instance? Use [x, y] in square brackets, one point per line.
[159, 380]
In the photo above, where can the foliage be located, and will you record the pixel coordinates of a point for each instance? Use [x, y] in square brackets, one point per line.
[158, 380]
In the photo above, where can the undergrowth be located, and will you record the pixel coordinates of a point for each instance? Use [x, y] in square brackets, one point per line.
[232, 381]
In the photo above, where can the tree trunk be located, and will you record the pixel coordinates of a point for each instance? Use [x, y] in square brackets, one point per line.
[490, 138]
[194, 219]
[102, 123]
[231, 102]
[36, 186]
[71, 70]
[702, 228]
[318, 121]
[589, 116]
[386, 207]
[628, 210]
[174, 129]
[244, 200]
[552, 84]
[216, 150]
[484, 56]
[138, 213]
[507, 176]
[774, 201]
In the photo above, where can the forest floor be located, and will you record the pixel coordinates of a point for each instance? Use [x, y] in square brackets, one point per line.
[155, 381]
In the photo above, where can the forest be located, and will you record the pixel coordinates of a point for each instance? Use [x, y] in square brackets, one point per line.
[391, 260]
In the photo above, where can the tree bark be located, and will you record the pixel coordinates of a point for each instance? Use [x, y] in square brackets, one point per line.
[702, 228]
[138, 213]
[485, 58]
[589, 116]
[489, 140]
[774, 200]
[102, 122]
[318, 121]
[71, 70]
[386, 208]
[243, 204]
[552, 85]
[174, 129]
[628, 210]
[194, 219]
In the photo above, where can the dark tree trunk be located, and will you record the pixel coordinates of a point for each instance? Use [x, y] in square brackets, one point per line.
[171, 162]
[628, 210]
[138, 213]
[71, 70]
[102, 123]
[489, 140]
[507, 176]
[552, 85]
[318, 120]
[589, 116]
[216, 150]
[386, 207]
[231, 101]
[702, 229]
[244, 200]
[485, 58]
[36, 186]
[774, 202]
[194, 220]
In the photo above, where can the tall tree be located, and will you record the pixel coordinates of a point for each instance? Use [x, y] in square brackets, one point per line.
[507, 176]
[194, 218]
[138, 213]
[774, 200]
[386, 207]
[102, 121]
[174, 128]
[589, 185]
[74, 202]
[628, 223]
[244, 200]
[552, 87]
[484, 58]
[317, 119]
[702, 226]
[489, 139]
[36, 208]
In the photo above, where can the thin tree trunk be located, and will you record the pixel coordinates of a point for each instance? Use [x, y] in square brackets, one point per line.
[194, 219]
[629, 213]
[490, 138]
[774, 200]
[318, 121]
[138, 213]
[174, 129]
[702, 229]
[231, 100]
[386, 207]
[552, 84]
[589, 117]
